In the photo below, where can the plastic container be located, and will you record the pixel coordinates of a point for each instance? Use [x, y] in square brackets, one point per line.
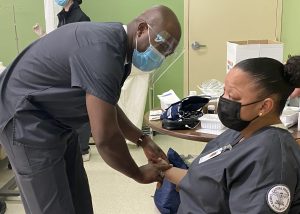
[212, 87]
[211, 121]
[289, 116]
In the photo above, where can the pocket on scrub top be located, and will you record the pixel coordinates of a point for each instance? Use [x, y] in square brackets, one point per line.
[35, 128]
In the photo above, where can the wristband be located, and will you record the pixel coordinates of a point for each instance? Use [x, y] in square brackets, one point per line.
[140, 140]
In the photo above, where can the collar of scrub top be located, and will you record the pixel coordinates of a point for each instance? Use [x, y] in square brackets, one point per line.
[229, 146]
[280, 125]
[240, 138]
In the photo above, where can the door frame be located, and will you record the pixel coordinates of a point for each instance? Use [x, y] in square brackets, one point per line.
[187, 42]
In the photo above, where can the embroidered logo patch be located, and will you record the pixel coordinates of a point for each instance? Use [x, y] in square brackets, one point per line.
[279, 198]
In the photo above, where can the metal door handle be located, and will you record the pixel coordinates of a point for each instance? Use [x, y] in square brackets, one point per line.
[196, 45]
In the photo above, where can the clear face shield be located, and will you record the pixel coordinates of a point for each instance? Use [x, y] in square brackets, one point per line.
[166, 45]
[161, 45]
[164, 42]
[173, 51]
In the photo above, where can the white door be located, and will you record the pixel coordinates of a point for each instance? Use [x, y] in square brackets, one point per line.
[209, 24]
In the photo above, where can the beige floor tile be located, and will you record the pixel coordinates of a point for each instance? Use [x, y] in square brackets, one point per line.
[112, 192]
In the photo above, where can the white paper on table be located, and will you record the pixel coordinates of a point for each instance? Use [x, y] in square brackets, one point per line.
[168, 98]
[155, 114]
[211, 131]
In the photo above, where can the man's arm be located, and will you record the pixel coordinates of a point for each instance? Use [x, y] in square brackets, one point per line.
[111, 144]
[132, 133]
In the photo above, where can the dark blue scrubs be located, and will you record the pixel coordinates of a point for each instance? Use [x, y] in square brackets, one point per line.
[259, 175]
[42, 103]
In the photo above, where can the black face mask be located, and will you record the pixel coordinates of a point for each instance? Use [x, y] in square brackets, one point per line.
[229, 114]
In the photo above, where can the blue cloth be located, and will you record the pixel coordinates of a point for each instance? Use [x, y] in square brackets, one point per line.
[166, 198]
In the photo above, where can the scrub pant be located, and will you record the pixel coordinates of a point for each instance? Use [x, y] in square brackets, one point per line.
[84, 133]
[50, 175]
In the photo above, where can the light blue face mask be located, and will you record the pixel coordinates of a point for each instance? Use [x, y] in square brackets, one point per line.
[61, 2]
[148, 60]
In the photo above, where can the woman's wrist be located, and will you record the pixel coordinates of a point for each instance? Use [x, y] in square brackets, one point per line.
[169, 172]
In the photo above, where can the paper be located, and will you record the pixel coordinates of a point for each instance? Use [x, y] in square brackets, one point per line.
[211, 131]
[167, 98]
[155, 114]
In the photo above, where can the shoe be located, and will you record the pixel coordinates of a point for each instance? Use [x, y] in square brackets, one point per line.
[9, 165]
[2, 207]
[87, 156]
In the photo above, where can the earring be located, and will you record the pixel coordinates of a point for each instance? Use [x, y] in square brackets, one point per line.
[260, 114]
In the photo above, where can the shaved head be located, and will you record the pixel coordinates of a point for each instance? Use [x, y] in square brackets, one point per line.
[157, 26]
[162, 18]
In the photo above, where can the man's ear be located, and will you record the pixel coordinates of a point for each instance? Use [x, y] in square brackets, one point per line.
[267, 106]
[142, 27]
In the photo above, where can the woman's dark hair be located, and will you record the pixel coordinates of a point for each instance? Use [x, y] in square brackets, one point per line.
[78, 1]
[273, 76]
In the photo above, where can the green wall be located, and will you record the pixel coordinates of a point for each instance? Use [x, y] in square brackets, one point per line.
[290, 35]
[16, 28]
[29, 12]
[16, 20]
[125, 11]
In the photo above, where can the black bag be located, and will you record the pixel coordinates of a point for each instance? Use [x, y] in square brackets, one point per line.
[184, 114]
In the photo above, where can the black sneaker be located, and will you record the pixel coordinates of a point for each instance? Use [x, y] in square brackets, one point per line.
[2, 207]
[9, 165]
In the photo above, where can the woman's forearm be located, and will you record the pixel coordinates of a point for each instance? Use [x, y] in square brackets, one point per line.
[175, 175]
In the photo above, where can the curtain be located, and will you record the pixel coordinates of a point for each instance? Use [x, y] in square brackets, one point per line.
[51, 11]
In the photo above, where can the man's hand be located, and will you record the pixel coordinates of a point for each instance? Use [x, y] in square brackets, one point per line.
[152, 151]
[152, 172]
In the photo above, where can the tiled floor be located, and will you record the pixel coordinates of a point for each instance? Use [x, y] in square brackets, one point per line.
[112, 192]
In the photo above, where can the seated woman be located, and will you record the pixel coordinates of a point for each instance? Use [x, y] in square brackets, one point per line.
[253, 167]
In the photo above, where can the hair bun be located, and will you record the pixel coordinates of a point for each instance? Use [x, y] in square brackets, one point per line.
[292, 71]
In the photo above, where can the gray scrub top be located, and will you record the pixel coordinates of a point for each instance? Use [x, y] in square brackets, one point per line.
[253, 177]
[44, 88]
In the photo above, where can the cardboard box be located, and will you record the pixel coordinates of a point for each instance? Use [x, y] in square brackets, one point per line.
[241, 50]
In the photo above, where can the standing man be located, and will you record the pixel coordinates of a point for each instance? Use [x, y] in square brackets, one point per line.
[70, 13]
[55, 85]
